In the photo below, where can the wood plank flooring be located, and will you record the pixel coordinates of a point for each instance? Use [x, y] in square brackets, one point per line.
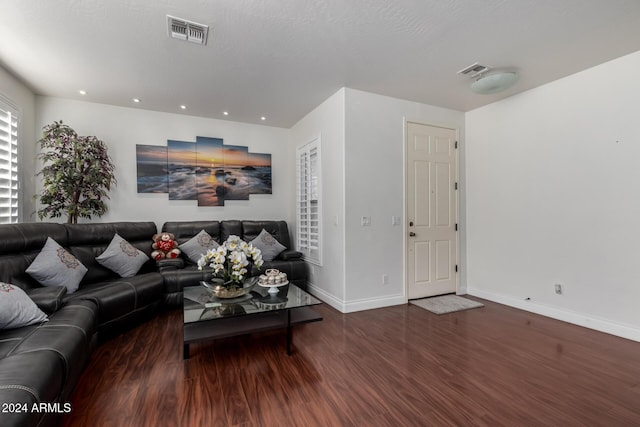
[395, 366]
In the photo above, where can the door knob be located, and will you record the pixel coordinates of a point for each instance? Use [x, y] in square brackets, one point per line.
[412, 234]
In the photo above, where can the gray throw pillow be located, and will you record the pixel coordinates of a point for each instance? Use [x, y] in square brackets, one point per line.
[198, 245]
[122, 257]
[54, 266]
[17, 309]
[268, 245]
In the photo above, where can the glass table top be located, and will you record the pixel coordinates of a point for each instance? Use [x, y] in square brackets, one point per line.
[200, 305]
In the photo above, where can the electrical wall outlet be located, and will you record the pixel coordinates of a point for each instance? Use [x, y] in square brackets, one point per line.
[558, 288]
[385, 279]
[365, 221]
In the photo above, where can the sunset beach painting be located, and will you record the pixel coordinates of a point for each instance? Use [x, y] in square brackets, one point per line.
[237, 187]
[181, 157]
[153, 172]
[261, 172]
[207, 171]
[209, 179]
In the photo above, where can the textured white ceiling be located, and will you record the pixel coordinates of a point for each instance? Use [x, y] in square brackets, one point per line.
[281, 58]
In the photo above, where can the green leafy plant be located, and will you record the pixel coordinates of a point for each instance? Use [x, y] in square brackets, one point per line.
[77, 174]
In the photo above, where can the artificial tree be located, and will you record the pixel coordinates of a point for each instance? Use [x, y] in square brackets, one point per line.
[77, 174]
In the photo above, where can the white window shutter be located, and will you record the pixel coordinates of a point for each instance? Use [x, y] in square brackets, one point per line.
[9, 194]
[309, 206]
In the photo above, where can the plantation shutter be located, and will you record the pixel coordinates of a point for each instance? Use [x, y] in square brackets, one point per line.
[308, 201]
[8, 164]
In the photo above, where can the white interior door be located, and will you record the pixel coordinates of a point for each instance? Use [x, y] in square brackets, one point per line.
[431, 210]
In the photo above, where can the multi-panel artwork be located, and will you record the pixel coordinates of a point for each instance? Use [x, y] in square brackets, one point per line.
[206, 170]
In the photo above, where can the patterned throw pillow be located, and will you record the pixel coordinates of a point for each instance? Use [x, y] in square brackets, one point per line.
[122, 257]
[197, 245]
[268, 245]
[54, 266]
[17, 309]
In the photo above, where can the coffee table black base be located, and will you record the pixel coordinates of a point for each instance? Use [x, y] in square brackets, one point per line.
[241, 325]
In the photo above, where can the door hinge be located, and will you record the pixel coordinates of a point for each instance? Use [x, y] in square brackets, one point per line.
[456, 186]
[456, 227]
[456, 268]
[456, 145]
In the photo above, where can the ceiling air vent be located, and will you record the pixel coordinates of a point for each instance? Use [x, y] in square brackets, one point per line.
[473, 70]
[182, 29]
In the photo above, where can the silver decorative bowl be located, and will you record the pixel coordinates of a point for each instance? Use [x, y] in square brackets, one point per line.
[217, 288]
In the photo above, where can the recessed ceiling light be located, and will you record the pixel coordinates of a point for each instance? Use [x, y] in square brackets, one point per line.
[263, 118]
[184, 107]
[226, 113]
[82, 92]
[136, 100]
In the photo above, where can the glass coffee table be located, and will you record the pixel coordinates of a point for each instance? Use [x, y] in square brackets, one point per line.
[207, 317]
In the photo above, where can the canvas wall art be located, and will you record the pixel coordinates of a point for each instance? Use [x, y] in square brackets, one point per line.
[206, 170]
[210, 171]
[153, 172]
[181, 157]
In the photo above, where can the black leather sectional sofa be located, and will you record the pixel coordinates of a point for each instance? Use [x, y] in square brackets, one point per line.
[186, 272]
[40, 364]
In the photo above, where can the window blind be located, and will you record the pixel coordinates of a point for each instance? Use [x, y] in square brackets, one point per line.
[308, 201]
[8, 164]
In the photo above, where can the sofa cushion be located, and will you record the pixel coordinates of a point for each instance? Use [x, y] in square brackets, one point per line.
[17, 309]
[175, 281]
[122, 258]
[278, 229]
[30, 236]
[185, 230]
[120, 297]
[198, 245]
[54, 266]
[268, 245]
[48, 298]
[27, 379]
[87, 256]
[20, 245]
[42, 364]
[93, 238]
[69, 333]
[231, 227]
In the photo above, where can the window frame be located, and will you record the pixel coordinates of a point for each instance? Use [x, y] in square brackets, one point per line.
[309, 176]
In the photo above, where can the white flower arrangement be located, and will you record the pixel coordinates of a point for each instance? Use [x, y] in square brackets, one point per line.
[231, 259]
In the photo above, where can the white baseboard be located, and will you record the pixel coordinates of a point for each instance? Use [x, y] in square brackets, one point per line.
[321, 294]
[357, 305]
[581, 319]
[370, 303]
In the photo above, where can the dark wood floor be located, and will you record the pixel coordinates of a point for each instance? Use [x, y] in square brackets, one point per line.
[396, 366]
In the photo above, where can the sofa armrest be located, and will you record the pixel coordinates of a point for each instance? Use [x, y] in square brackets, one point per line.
[288, 255]
[48, 298]
[169, 264]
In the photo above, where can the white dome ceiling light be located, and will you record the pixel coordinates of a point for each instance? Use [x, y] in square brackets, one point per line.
[494, 83]
[485, 82]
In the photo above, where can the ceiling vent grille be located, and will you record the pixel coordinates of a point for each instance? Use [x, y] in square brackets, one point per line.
[473, 70]
[183, 29]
